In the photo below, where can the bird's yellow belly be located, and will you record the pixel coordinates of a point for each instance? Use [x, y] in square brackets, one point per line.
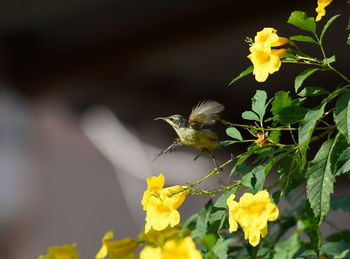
[201, 139]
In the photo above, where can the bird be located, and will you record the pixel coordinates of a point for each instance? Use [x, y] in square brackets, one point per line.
[191, 131]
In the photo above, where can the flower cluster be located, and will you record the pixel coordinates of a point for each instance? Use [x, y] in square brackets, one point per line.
[252, 213]
[266, 60]
[160, 208]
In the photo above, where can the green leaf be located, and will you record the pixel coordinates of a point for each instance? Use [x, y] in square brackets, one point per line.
[341, 203]
[343, 163]
[209, 240]
[247, 180]
[300, 20]
[313, 91]
[348, 40]
[320, 180]
[249, 115]
[329, 22]
[244, 73]
[334, 248]
[202, 221]
[221, 201]
[274, 137]
[307, 127]
[342, 115]
[348, 26]
[329, 60]
[221, 247]
[281, 100]
[313, 226]
[287, 249]
[303, 38]
[259, 102]
[291, 115]
[234, 133]
[302, 76]
[289, 168]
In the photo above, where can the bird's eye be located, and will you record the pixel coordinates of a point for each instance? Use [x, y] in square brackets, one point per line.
[171, 119]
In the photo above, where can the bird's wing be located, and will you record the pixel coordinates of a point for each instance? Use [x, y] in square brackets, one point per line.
[204, 113]
[169, 149]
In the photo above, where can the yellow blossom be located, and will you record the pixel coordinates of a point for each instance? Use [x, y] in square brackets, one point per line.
[117, 249]
[321, 5]
[61, 252]
[161, 209]
[252, 213]
[265, 59]
[173, 249]
[159, 237]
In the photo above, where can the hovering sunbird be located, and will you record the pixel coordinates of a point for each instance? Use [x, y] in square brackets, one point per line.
[191, 131]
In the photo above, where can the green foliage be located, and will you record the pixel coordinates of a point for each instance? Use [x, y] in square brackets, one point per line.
[336, 249]
[343, 162]
[313, 91]
[303, 38]
[299, 79]
[234, 133]
[300, 20]
[320, 176]
[329, 22]
[342, 115]
[287, 249]
[307, 126]
[248, 71]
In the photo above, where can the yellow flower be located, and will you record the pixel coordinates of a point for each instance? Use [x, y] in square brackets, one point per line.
[161, 209]
[252, 213]
[265, 59]
[321, 5]
[117, 249]
[159, 237]
[61, 252]
[173, 249]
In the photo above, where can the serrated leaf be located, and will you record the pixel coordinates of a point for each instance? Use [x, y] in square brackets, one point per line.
[341, 203]
[329, 22]
[302, 76]
[202, 221]
[320, 180]
[249, 115]
[221, 247]
[313, 91]
[342, 115]
[234, 133]
[291, 114]
[244, 73]
[334, 248]
[342, 165]
[306, 128]
[281, 100]
[300, 20]
[303, 38]
[259, 102]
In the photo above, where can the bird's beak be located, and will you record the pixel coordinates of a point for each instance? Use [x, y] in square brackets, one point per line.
[161, 118]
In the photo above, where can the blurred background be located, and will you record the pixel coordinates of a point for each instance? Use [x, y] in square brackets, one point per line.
[80, 84]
